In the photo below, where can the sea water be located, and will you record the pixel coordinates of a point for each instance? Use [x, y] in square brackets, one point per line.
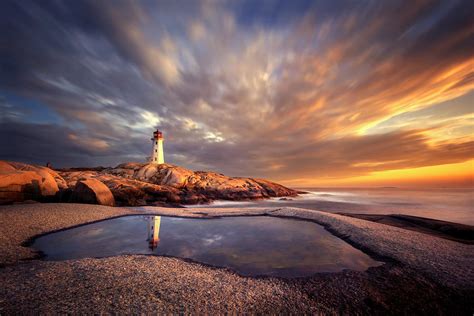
[454, 205]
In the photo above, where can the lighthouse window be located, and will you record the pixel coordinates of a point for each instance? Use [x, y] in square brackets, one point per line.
[156, 143]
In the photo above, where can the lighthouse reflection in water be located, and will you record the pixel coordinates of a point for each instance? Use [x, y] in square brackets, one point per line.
[250, 245]
[153, 231]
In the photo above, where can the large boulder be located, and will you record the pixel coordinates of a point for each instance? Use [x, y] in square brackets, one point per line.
[20, 182]
[92, 191]
[57, 178]
[18, 186]
[51, 182]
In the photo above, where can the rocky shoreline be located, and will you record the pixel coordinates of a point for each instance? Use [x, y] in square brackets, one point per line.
[129, 184]
[423, 274]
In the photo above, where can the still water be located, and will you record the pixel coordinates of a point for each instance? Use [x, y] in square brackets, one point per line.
[454, 205]
[250, 245]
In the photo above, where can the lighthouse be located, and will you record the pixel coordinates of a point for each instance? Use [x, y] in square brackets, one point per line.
[157, 155]
[153, 231]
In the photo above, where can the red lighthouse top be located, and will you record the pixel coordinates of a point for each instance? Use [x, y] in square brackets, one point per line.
[157, 135]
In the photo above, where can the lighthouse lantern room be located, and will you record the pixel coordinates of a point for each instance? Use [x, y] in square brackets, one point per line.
[157, 155]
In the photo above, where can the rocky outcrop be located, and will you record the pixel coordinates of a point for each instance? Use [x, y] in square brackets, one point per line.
[214, 185]
[127, 191]
[162, 174]
[92, 191]
[20, 182]
[129, 184]
[153, 184]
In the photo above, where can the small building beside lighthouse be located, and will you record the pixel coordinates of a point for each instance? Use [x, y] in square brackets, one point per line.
[157, 155]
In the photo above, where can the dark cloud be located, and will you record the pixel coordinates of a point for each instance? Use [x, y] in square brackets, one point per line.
[273, 88]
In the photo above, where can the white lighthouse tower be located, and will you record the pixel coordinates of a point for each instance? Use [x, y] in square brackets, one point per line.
[157, 155]
[153, 231]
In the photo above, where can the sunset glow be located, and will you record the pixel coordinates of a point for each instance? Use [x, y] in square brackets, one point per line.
[450, 175]
[311, 94]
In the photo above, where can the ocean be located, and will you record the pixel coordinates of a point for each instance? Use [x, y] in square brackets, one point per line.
[454, 205]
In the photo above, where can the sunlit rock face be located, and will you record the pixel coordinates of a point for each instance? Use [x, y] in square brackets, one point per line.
[210, 184]
[20, 182]
[129, 184]
[145, 184]
[42, 171]
[164, 174]
[153, 173]
[92, 191]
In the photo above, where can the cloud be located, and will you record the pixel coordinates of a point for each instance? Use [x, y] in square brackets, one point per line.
[314, 89]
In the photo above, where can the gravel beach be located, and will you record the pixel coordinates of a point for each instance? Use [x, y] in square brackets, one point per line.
[423, 274]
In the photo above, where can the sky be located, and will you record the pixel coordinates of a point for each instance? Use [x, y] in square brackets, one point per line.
[307, 93]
